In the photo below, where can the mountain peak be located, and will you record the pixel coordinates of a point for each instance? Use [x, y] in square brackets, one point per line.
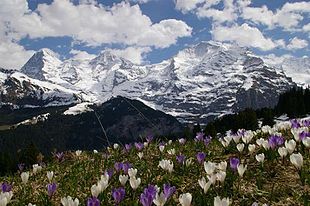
[42, 61]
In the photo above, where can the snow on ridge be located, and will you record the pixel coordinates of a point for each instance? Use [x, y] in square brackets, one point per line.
[78, 109]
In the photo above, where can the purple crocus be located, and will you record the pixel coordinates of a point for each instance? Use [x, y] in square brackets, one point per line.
[234, 162]
[51, 189]
[207, 140]
[5, 187]
[275, 140]
[148, 195]
[149, 138]
[21, 167]
[306, 123]
[118, 166]
[118, 195]
[295, 123]
[201, 157]
[93, 201]
[109, 172]
[168, 191]
[180, 158]
[126, 167]
[59, 156]
[303, 135]
[139, 146]
[199, 136]
[128, 147]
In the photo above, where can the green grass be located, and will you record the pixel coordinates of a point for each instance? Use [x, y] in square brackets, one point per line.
[276, 182]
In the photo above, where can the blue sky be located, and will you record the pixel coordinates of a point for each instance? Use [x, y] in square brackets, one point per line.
[146, 31]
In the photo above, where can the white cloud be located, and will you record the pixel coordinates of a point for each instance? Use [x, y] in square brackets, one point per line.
[133, 54]
[306, 28]
[244, 35]
[185, 5]
[80, 55]
[140, 1]
[297, 43]
[12, 55]
[96, 24]
[288, 17]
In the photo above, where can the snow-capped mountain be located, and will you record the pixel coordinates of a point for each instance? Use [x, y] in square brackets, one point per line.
[296, 68]
[199, 83]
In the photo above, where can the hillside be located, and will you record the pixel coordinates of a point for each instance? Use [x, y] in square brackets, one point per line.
[268, 166]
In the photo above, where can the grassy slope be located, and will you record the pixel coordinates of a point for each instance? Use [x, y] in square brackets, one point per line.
[280, 180]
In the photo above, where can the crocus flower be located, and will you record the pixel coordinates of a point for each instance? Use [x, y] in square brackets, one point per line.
[221, 202]
[126, 167]
[295, 123]
[306, 142]
[24, 176]
[139, 146]
[118, 195]
[5, 187]
[78, 153]
[149, 138]
[134, 182]
[207, 141]
[275, 140]
[240, 147]
[60, 156]
[93, 201]
[132, 172]
[36, 168]
[290, 146]
[296, 160]
[201, 157]
[306, 123]
[123, 179]
[182, 141]
[251, 148]
[241, 169]
[115, 146]
[199, 136]
[95, 190]
[181, 159]
[128, 147]
[140, 155]
[303, 135]
[185, 199]
[209, 167]
[50, 175]
[166, 165]
[21, 166]
[282, 151]
[161, 148]
[234, 162]
[220, 176]
[5, 198]
[118, 166]
[222, 166]
[171, 151]
[160, 199]
[68, 201]
[148, 195]
[260, 157]
[51, 189]
[168, 191]
[204, 184]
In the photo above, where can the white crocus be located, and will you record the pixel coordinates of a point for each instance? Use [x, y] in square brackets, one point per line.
[104, 182]
[185, 199]
[296, 160]
[50, 175]
[134, 182]
[115, 146]
[212, 178]
[290, 146]
[160, 199]
[171, 151]
[209, 167]
[123, 179]
[260, 142]
[68, 201]
[25, 177]
[241, 169]
[236, 138]
[30, 204]
[306, 141]
[204, 184]
[247, 137]
[220, 176]
[266, 144]
[166, 165]
[189, 162]
[169, 142]
[95, 151]
[96, 190]
[260, 157]
[78, 153]
[251, 148]
[132, 172]
[5, 198]
[240, 147]
[222, 166]
[221, 202]
[161, 148]
[282, 151]
[140, 155]
[36, 168]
